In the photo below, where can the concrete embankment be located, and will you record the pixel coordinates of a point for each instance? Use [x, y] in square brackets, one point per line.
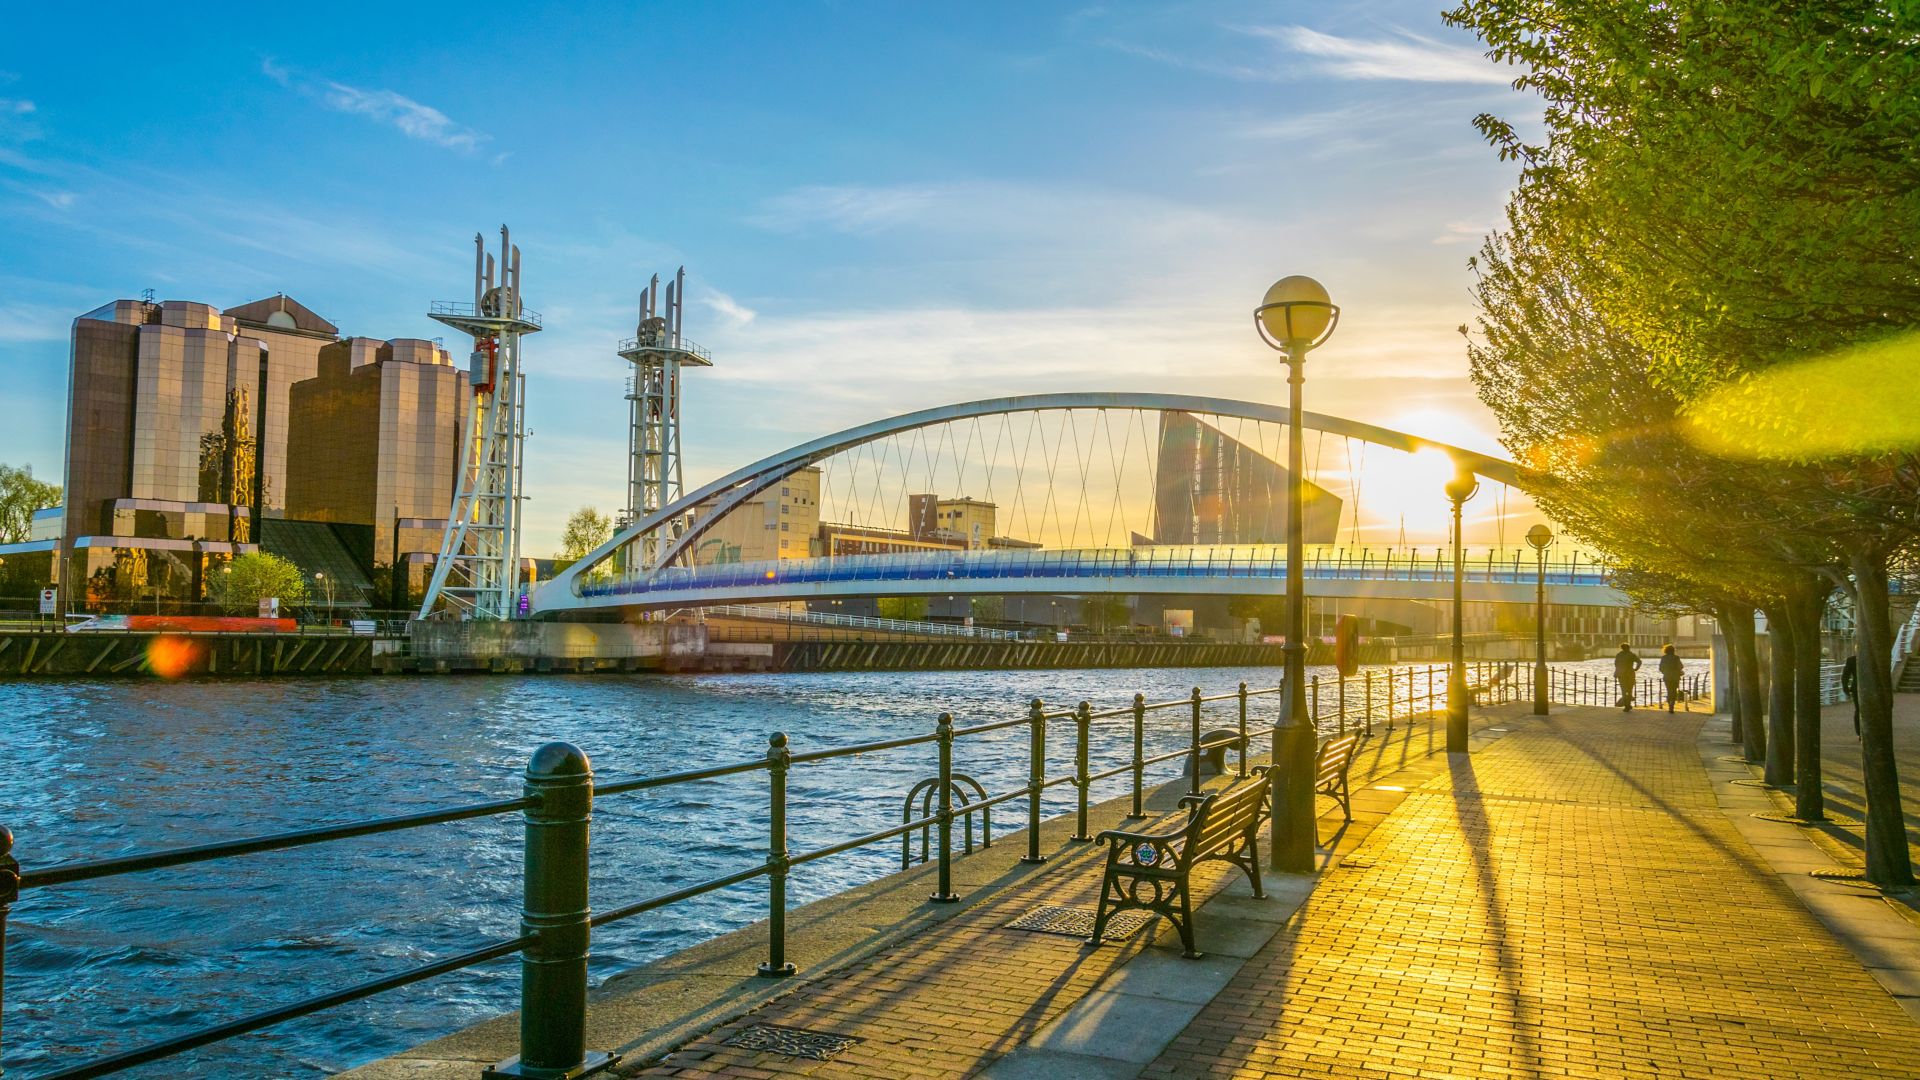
[552, 647]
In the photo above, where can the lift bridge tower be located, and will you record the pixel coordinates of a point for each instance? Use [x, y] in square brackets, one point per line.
[478, 571]
[658, 352]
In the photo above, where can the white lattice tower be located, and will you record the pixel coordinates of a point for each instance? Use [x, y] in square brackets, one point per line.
[658, 351]
[477, 573]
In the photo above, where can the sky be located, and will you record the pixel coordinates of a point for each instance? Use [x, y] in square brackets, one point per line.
[880, 207]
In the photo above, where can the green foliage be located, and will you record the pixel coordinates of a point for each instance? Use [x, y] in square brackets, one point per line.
[587, 529]
[989, 609]
[903, 607]
[1104, 612]
[241, 584]
[20, 496]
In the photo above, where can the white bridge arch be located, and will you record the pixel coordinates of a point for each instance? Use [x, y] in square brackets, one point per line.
[1224, 570]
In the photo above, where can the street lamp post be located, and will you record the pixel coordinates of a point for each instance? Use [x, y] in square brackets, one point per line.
[1462, 487]
[1538, 538]
[1296, 317]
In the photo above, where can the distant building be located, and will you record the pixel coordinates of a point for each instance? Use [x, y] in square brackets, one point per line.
[967, 522]
[1213, 489]
[180, 450]
[777, 523]
[374, 439]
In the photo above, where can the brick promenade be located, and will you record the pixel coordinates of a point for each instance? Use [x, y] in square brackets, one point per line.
[1568, 901]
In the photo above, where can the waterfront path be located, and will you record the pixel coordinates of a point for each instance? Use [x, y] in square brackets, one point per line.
[1573, 899]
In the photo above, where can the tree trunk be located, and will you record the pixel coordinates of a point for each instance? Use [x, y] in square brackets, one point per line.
[1746, 689]
[1803, 610]
[1888, 863]
[1780, 748]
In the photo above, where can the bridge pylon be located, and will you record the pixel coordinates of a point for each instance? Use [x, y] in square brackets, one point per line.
[477, 573]
[658, 352]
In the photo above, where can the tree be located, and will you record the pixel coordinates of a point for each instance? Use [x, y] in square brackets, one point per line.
[1714, 234]
[20, 496]
[241, 584]
[587, 529]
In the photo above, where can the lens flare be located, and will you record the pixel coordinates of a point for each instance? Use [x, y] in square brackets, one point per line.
[1853, 403]
[170, 657]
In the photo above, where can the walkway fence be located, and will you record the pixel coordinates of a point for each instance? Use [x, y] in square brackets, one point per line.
[560, 789]
[1592, 688]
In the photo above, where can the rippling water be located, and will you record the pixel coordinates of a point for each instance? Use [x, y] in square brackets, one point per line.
[95, 769]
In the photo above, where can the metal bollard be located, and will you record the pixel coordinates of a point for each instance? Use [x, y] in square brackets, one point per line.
[1243, 732]
[1082, 720]
[9, 892]
[1313, 708]
[1036, 777]
[1193, 750]
[943, 892]
[553, 967]
[1139, 753]
[779, 759]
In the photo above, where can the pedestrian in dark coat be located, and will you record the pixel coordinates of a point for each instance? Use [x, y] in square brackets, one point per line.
[1671, 669]
[1626, 663]
[1850, 685]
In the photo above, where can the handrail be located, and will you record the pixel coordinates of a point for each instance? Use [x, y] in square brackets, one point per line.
[560, 790]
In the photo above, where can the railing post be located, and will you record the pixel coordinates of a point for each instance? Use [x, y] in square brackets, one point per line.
[1341, 701]
[779, 758]
[1193, 750]
[1243, 732]
[9, 892]
[1139, 753]
[1082, 721]
[1036, 777]
[1369, 703]
[943, 892]
[553, 967]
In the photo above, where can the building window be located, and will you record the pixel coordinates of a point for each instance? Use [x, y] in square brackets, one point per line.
[783, 526]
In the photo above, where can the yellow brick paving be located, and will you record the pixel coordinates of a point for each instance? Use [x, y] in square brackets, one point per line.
[1567, 902]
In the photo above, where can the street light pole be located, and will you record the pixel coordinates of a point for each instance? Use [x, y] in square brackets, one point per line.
[1459, 489]
[1538, 538]
[1296, 317]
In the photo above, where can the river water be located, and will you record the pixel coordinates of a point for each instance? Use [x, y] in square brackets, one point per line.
[101, 768]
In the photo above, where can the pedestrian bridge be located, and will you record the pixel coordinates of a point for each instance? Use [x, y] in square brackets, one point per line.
[1082, 474]
[1228, 571]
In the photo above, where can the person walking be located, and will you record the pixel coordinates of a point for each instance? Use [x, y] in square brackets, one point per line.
[1626, 664]
[1671, 669]
[1850, 686]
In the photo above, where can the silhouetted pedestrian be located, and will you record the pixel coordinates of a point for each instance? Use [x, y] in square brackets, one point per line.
[1671, 669]
[1850, 685]
[1625, 664]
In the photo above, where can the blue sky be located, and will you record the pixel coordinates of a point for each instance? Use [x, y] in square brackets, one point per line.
[881, 207]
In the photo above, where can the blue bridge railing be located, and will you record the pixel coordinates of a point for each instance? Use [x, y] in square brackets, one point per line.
[1264, 562]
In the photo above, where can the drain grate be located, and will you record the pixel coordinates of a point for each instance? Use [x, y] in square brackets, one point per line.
[793, 1042]
[1078, 922]
[1734, 759]
[1750, 783]
[1831, 819]
[1356, 862]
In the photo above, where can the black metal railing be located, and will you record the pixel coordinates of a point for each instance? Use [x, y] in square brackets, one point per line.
[1570, 687]
[560, 790]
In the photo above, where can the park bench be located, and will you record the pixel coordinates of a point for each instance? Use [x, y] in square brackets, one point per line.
[1149, 871]
[1330, 765]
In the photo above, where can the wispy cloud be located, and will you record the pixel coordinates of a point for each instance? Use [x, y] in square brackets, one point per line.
[59, 200]
[855, 209]
[1462, 232]
[414, 119]
[728, 308]
[1405, 57]
[16, 106]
